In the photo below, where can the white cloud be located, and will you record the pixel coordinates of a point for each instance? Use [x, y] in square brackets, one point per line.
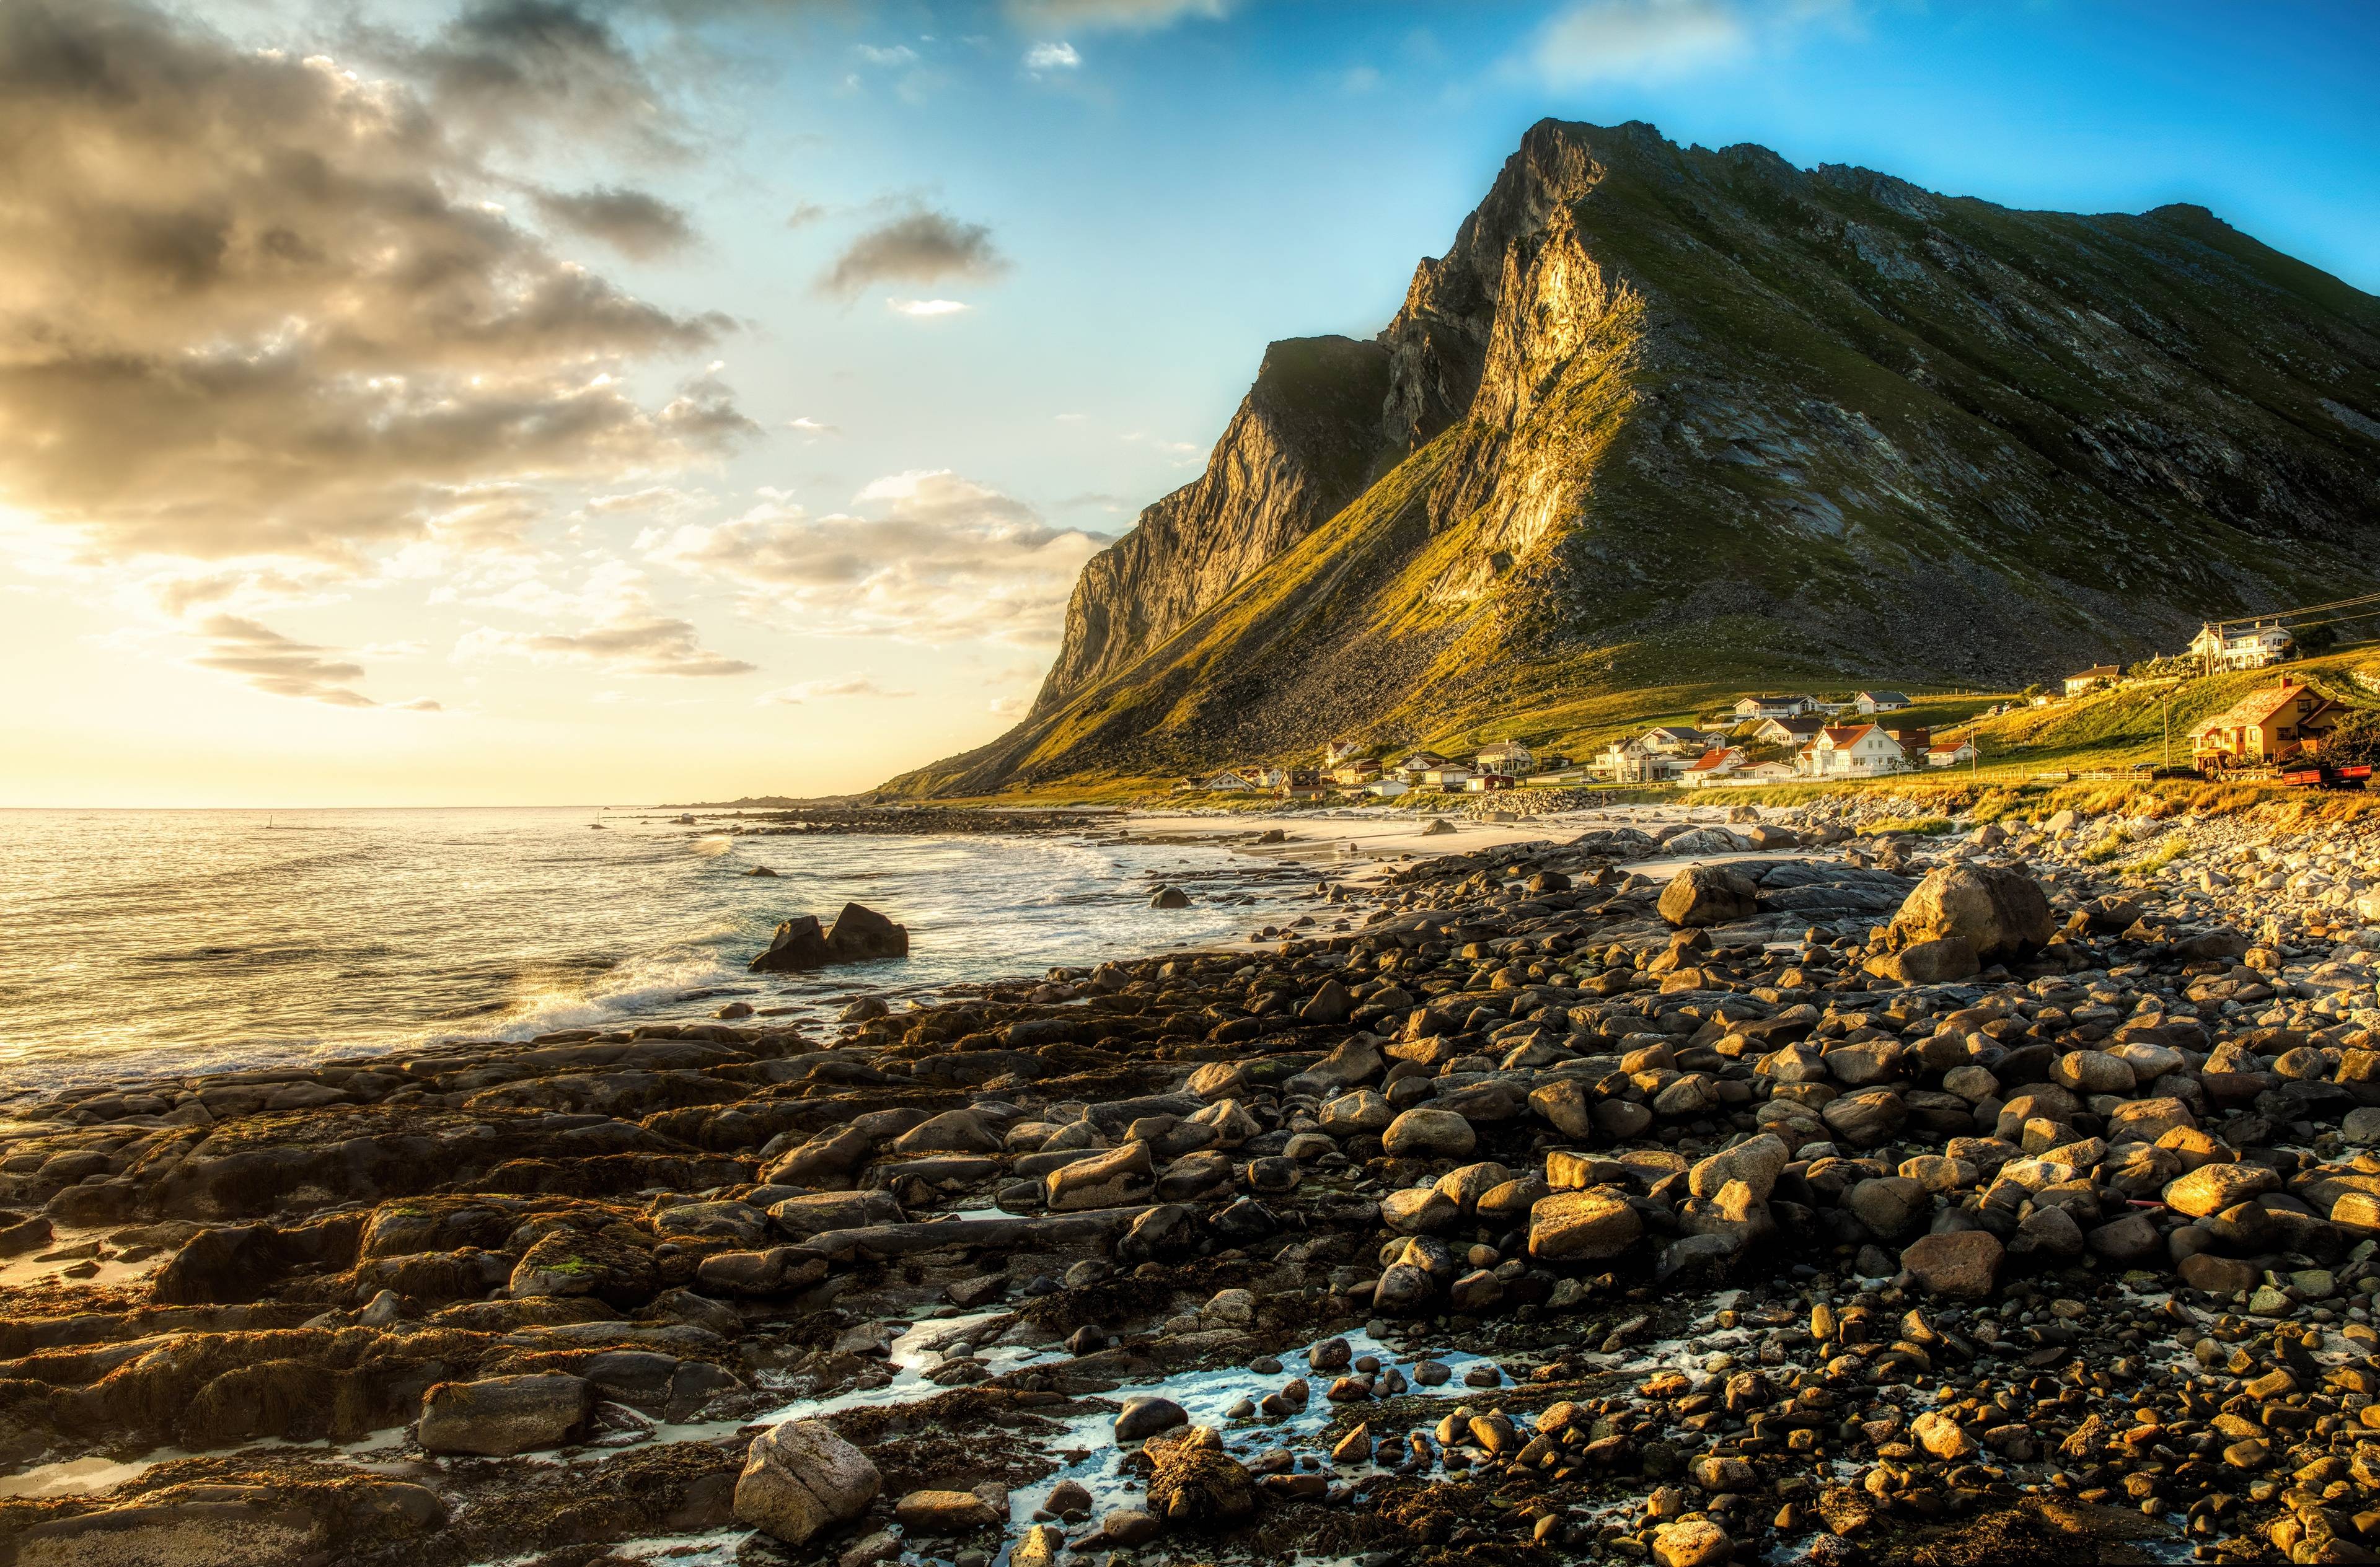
[927, 308]
[1603, 41]
[1070, 418]
[931, 557]
[1059, 56]
[813, 428]
[812, 690]
[1126, 16]
[627, 633]
[1359, 79]
[898, 54]
[1009, 706]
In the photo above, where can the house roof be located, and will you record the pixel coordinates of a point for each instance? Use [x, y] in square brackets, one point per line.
[1494, 746]
[2097, 672]
[1841, 735]
[1883, 696]
[1711, 761]
[1801, 724]
[1950, 745]
[1674, 732]
[2258, 706]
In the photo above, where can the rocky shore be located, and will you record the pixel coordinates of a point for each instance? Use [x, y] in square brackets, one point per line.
[1869, 1191]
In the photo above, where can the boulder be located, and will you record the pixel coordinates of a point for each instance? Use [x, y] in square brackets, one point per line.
[859, 935]
[2001, 912]
[1944, 960]
[1103, 1180]
[1692, 1542]
[1584, 1227]
[1143, 1417]
[501, 1415]
[1170, 898]
[1699, 896]
[800, 1478]
[1196, 1482]
[1964, 1263]
[943, 1513]
[2211, 1188]
[1425, 1133]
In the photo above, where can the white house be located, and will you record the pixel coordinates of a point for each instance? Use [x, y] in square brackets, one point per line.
[2091, 679]
[1774, 707]
[1672, 739]
[1795, 731]
[1853, 751]
[1625, 760]
[1711, 767]
[2249, 647]
[1339, 750]
[1881, 702]
[1509, 757]
[1226, 782]
[1420, 762]
[1267, 777]
[1950, 754]
[1452, 777]
[1387, 788]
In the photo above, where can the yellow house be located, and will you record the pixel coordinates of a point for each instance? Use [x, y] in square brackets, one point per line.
[2273, 724]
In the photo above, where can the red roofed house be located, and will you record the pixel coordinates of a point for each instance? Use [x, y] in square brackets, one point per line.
[1853, 751]
[1711, 767]
[2274, 723]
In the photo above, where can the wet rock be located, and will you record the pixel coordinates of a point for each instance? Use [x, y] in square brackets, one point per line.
[944, 1512]
[1170, 898]
[800, 1478]
[799, 1218]
[1196, 1482]
[501, 1415]
[1144, 1417]
[240, 1530]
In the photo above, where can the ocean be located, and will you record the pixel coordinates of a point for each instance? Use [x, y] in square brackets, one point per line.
[140, 941]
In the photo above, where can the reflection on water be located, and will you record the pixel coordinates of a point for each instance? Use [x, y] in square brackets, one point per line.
[212, 937]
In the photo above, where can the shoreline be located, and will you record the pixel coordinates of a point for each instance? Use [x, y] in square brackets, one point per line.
[1513, 1125]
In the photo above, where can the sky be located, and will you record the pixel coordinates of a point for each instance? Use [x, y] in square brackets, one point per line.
[583, 402]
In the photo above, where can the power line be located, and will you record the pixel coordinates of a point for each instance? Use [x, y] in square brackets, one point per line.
[2305, 609]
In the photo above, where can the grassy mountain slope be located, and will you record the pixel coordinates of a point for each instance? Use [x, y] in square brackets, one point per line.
[1667, 421]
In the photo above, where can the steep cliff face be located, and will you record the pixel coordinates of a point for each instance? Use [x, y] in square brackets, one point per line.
[1663, 417]
[1303, 444]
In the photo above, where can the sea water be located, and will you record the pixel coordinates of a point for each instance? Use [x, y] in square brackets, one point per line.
[140, 941]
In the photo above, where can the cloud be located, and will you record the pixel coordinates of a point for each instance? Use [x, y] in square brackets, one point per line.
[897, 55]
[515, 68]
[925, 307]
[1124, 16]
[1356, 79]
[812, 690]
[931, 557]
[632, 221]
[1603, 41]
[634, 643]
[805, 213]
[627, 634]
[1009, 706]
[921, 245]
[1056, 56]
[285, 280]
[278, 665]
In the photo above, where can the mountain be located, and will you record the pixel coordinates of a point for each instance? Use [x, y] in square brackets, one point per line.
[1664, 419]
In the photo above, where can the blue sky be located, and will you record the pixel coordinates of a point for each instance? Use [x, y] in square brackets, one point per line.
[863, 325]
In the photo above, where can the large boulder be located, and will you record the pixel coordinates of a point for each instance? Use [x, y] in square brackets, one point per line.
[800, 1478]
[1709, 895]
[2000, 913]
[859, 935]
[501, 1415]
[1584, 1227]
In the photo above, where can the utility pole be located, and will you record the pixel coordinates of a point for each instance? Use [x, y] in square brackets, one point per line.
[2166, 705]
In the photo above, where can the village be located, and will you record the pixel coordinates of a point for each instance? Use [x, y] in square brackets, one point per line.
[1767, 739]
